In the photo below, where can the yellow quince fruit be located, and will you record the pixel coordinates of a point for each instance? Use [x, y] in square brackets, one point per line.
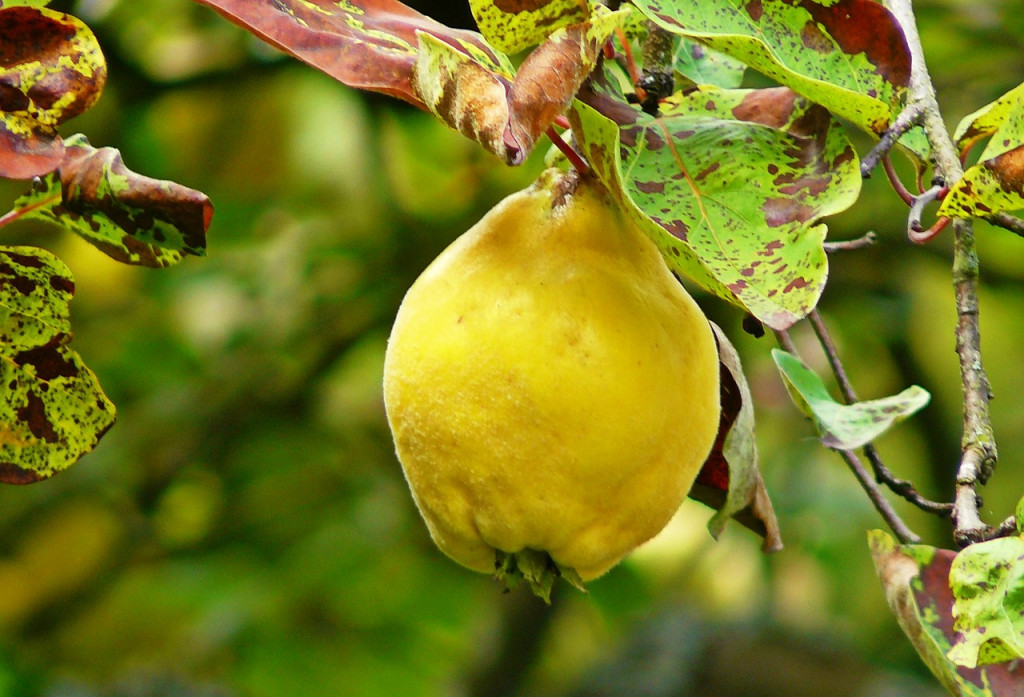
[551, 387]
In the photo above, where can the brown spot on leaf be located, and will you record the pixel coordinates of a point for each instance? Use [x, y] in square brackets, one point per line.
[768, 107]
[1008, 168]
[49, 362]
[33, 415]
[11, 473]
[654, 187]
[865, 26]
[754, 9]
[795, 284]
[814, 39]
[780, 211]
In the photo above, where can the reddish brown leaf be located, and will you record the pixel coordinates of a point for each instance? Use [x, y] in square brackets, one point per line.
[366, 44]
[51, 69]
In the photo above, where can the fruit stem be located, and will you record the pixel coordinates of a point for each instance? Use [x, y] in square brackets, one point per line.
[575, 159]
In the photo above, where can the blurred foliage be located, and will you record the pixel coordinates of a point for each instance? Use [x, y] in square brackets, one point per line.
[245, 528]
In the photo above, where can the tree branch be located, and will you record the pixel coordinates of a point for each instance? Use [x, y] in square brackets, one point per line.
[865, 240]
[978, 448]
[903, 123]
[883, 474]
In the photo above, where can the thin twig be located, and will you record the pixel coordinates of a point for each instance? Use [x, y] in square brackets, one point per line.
[917, 205]
[881, 504]
[896, 182]
[865, 240]
[903, 123]
[883, 474]
[979, 455]
[1007, 222]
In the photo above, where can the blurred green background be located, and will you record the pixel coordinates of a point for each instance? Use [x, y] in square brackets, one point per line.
[245, 529]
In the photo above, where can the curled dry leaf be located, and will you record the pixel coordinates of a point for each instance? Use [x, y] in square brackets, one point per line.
[51, 69]
[130, 217]
[508, 114]
[730, 480]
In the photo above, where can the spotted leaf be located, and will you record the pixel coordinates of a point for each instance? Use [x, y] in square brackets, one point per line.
[996, 182]
[52, 410]
[51, 69]
[508, 114]
[513, 25]
[845, 426]
[987, 580]
[366, 44]
[130, 217]
[916, 581]
[730, 480]
[704, 66]
[848, 55]
[730, 184]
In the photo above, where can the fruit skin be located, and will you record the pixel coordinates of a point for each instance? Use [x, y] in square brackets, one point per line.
[549, 384]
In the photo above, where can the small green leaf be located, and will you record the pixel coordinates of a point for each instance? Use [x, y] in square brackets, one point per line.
[52, 410]
[131, 218]
[51, 71]
[844, 426]
[730, 184]
[987, 580]
[850, 56]
[512, 25]
[916, 583]
[1019, 515]
[704, 66]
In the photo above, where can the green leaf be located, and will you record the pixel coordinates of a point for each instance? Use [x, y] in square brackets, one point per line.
[915, 579]
[730, 185]
[53, 410]
[729, 480]
[130, 217]
[848, 55]
[987, 580]
[52, 71]
[996, 182]
[845, 426]
[512, 25]
[704, 66]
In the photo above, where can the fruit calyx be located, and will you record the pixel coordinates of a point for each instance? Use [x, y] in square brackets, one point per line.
[538, 569]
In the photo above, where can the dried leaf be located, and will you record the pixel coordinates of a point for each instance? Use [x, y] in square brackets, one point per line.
[845, 426]
[850, 56]
[915, 579]
[130, 217]
[507, 115]
[730, 480]
[53, 410]
[730, 185]
[51, 69]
